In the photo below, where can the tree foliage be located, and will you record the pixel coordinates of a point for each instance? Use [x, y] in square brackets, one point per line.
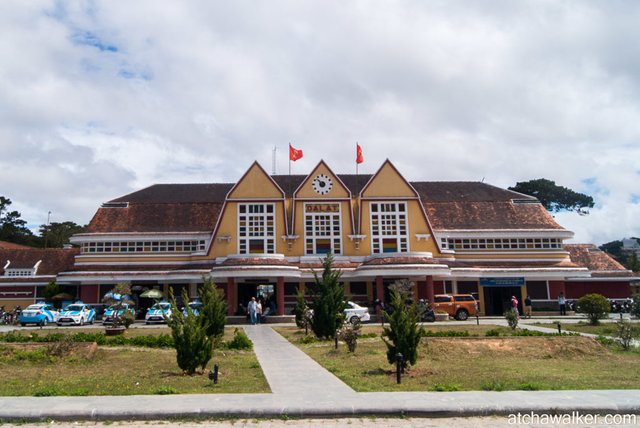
[555, 198]
[56, 235]
[12, 227]
[194, 348]
[118, 297]
[629, 259]
[403, 333]
[328, 301]
[213, 315]
[594, 306]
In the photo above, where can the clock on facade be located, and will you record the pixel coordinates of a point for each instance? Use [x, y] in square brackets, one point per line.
[322, 184]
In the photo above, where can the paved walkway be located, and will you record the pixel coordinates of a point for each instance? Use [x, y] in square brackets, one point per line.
[302, 388]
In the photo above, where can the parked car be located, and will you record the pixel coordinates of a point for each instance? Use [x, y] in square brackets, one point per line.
[40, 314]
[355, 312]
[107, 317]
[158, 312]
[196, 307]
[459, 306]
[77, 314]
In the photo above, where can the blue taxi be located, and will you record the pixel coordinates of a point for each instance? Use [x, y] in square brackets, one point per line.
[77, 314]
[195, 306]
[40, 314]
[159, 312]
[109, 313]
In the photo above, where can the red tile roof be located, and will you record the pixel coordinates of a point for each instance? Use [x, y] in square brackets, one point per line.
[54, 260]
[11, 246]
[196, 207]
[596, 260]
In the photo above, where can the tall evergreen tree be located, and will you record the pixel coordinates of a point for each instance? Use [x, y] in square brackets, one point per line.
[403, 333]
[213, 315]
[328, 301]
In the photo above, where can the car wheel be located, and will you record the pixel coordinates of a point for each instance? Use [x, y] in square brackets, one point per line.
[23, 324]
[430, 318]
[81, 322]
[354, 319]
[462, 315]
[44, 322]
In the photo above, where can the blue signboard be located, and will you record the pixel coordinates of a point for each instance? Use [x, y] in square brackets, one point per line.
[501, 282]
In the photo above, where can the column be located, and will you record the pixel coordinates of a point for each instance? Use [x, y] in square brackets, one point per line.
[430, 291]
[379, 288]
[280, 295]
[232, 303]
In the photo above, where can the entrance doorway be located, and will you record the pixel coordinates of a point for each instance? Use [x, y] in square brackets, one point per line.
[497, 300]
[263, 292]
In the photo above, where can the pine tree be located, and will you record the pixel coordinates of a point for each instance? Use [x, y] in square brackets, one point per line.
[213, 315]
[403, 333]
[329, 301]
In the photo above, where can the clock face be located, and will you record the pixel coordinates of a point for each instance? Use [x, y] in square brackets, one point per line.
[322, 184]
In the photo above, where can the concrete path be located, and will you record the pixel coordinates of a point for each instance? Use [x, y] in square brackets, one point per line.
[301, 388]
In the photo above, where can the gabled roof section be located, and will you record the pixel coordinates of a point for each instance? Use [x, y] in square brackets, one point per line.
[176, 194]
[52, 260]
[338, 188]
[256, 184]
[594, 259]
[388, 183]
[464, 205]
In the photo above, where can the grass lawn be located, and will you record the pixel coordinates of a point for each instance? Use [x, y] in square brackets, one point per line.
[604, 329]
[29, 369]
[479, 363]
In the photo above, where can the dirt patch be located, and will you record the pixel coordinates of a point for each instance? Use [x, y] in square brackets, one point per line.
[531, 347]
[81, 350]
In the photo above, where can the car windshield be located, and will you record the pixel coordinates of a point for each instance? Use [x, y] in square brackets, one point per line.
[33, 307]
[161, 306]
[75, 307]
[195, 305]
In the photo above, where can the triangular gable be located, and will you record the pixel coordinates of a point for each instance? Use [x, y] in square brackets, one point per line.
[388, 183]
[256, 184]
[322, 183]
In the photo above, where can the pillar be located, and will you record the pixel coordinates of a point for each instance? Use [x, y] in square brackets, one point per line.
[430, 290]
[280, 296]
[379, 289]
[232, 303]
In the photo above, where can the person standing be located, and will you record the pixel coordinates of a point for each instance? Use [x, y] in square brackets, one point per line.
[259, 311]
[527, 306]
[252, 307]
[514, 304]
[562, 302]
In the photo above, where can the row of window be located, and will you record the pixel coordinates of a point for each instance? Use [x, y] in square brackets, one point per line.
[18, 272]
[187, 246]
[501, 243]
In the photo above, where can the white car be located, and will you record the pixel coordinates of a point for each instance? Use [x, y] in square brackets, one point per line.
[353, 312]
[159, 312]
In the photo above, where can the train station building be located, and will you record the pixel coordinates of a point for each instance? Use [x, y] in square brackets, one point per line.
[267, 234]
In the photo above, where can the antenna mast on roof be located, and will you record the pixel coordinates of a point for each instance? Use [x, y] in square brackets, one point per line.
[273, 161]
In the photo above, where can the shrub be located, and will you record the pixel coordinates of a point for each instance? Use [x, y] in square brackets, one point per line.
[626, 334]
[450, 333]
[328, 301]
[166, 390]
[493, 385]
[301, 311]
[119, 298]
[240, 341]
[403, 333]
[445, 387]
[595, 306]
[349, 334]
[512, 318]
[194, 347]
[492, 333]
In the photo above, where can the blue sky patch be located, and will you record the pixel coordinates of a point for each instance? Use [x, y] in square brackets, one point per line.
[89, 39]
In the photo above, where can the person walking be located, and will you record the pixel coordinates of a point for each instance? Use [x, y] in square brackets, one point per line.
[562, 302]
[252, 308]
[514, 304]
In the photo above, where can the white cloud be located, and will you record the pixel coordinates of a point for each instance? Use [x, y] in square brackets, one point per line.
[98, 99]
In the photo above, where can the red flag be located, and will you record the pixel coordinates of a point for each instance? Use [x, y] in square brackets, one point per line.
[359, 157]
[294, 154]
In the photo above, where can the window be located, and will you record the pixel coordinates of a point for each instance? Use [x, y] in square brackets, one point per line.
[389, 230]
[537, 289]
[442, 299]
[463, 298]
[322, 229]
[256, 229]
[500, 243]
[186, 246]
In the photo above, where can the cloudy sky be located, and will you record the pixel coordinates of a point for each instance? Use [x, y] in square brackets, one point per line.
[101, 98]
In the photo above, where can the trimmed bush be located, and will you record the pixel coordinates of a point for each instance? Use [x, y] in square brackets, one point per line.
[240, 341]
[349, 334]
[595, 306]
